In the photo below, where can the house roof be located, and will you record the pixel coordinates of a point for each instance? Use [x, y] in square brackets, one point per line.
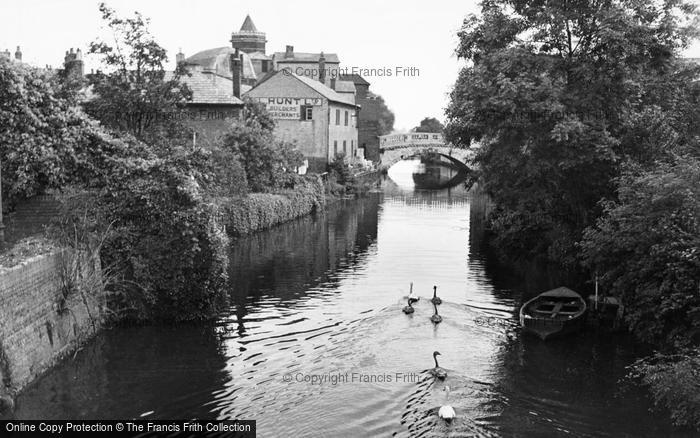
[248, 25]
[306, 57]
[219, 60]
[354, 78]
[210, 88]
[258, 55]
[345, 87]
[326, 92]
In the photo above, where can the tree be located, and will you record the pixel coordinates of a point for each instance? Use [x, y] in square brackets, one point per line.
[47, 142]
[385, 119]
[646, 249]
[268, 163]
[429, 124]
[556, 93]
[136, 95]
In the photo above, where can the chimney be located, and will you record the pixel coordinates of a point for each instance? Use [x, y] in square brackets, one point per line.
[289, 52]
[179, 57]
[18, 54]
[236, 64]
[322, 69]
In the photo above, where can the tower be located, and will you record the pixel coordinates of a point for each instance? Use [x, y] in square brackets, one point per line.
[73, 64]
[18, 54]
[248, 39]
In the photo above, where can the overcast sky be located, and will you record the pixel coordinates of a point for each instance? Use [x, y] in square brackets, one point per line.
[368, 34]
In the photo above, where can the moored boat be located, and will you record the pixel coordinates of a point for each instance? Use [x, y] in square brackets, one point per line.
[556, 312]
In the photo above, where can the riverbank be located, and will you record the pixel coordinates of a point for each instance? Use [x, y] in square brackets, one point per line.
[52, 303]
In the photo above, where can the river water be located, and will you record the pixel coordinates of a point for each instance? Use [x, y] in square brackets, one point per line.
[315, 342]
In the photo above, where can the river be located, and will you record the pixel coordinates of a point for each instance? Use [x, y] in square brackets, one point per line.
[315, 343]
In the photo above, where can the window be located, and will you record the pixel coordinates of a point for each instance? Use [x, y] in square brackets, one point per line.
[263, 66]
[337, 117]
[346, 118]
[352, 148]
[335, 148]
[307, 112]
[345, 143]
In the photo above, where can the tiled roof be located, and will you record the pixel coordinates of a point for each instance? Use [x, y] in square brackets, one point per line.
[345, 87]
[210, 88]
[355, 79]
[258, 55]
[219, 60]
[306, 57]
[326, 92]
[248, 25]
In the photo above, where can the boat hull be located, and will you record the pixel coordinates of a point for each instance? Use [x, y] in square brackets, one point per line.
[554, 313]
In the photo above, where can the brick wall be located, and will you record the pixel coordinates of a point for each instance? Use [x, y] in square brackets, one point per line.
[37, 326]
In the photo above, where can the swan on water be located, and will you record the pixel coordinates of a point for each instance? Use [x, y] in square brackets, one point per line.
[438, 371]
[446, 411]
[411, 298]
[436, 299]
[436, 318]
[408, 309]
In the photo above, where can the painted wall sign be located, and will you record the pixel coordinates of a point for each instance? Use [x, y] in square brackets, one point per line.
[288, 108]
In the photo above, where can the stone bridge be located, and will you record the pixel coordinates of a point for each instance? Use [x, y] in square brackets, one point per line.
[396, 147]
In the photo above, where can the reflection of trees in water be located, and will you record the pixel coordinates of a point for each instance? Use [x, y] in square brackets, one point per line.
[125, 372]
[288, 260]
[574, 384]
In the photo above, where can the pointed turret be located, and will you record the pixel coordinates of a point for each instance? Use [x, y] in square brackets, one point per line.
[249, 39]
[248, 25]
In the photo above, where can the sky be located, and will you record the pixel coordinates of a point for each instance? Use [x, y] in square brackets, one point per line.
[413, 39]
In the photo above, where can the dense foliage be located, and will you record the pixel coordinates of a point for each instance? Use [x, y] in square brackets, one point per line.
[429, 124]
[385, 118]
[673, 381]
[259, 211]
[268, 163]
[43, 136]
[647, 248]
[560, 95]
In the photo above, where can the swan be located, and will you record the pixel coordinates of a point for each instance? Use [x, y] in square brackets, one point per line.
[411, 298]
[408, 309]
[446, 411]
[436, 299]
[438, 371]
[435, 318]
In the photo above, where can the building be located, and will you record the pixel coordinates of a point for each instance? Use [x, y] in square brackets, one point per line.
[217, 78]
[318, 66]
[368, 120]
[322, 122]
[7, 55]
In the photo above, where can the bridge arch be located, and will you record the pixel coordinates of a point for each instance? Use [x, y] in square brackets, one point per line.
[396, 147]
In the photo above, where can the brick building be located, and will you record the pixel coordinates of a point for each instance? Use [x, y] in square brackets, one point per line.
[322, 122]
[368, 119]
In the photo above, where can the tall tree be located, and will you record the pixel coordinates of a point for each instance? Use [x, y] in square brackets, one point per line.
[556, 92]
[135, 94]
[429, 124]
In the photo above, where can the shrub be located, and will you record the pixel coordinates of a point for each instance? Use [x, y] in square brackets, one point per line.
[259, 211]
[163, 239]
[673, 381]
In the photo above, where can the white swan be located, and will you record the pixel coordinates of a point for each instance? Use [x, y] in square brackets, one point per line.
[436, 299]
[446, 411]
[438, 371]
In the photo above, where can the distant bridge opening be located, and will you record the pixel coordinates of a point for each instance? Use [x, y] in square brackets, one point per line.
[396, 147]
